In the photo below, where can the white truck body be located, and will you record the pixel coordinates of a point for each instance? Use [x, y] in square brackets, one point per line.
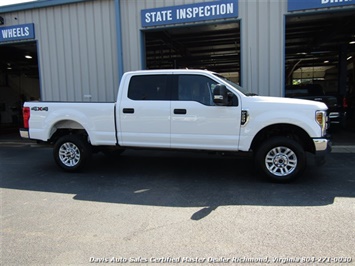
[170, 121]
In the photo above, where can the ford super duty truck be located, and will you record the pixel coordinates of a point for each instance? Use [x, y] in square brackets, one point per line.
[184, 110]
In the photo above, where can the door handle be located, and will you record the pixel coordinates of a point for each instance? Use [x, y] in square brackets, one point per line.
[128, 110]
[180, 111]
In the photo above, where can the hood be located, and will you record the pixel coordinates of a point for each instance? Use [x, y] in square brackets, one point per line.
[288, 102]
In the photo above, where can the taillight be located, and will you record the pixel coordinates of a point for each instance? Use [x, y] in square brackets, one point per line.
[26, 116]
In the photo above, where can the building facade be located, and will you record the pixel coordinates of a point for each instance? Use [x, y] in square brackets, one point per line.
[81, 48]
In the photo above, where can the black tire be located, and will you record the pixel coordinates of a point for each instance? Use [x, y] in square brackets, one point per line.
[72, 152]
[281, 159]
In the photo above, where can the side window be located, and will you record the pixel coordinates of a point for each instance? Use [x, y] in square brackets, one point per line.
[196, 88]
[148, 88]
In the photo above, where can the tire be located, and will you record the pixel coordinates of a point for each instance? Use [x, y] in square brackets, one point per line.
[281, 159]
[72, 153]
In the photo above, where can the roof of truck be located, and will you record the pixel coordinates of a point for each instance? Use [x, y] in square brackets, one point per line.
[169, 71]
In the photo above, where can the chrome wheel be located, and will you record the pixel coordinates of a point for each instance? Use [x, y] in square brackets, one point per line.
[281, 161]
[72, 152]
[69, 154]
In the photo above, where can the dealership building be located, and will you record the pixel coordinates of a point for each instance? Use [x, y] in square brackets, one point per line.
[77, 50]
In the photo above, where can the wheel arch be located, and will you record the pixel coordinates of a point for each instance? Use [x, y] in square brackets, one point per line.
[66, 127]
[286, 130]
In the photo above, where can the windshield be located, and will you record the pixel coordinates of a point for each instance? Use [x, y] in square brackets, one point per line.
[242, 90]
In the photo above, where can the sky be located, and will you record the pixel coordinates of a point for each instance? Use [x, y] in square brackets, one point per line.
[12, 2]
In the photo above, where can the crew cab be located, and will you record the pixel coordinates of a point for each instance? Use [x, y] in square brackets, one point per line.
[184, 110]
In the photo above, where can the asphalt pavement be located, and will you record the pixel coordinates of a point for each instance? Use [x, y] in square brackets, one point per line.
[172, 208]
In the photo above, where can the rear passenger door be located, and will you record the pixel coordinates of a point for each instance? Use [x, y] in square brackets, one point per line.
[196, 122]
[144, 113]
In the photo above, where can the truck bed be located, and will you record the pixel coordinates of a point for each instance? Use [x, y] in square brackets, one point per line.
[98, 119]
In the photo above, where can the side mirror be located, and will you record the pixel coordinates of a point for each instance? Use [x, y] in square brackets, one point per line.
[220, 95]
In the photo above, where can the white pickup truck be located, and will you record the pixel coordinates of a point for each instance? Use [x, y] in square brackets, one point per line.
[184, 110]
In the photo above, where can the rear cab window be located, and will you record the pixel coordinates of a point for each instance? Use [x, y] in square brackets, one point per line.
[149, 88]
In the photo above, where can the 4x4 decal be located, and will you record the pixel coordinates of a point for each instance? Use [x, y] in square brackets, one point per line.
[35, 108]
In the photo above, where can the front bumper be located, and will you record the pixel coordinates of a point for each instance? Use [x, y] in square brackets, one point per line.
[322, 148]
[24, 133]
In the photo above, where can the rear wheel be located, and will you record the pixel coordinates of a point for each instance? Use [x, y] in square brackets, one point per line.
[72, 152]
[281, 159]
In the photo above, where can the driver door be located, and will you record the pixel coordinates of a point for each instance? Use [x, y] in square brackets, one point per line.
[196, 122]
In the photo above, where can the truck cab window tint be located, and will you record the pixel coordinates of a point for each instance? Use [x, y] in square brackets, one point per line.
[195, 88]
[148, 88]
[200, 89]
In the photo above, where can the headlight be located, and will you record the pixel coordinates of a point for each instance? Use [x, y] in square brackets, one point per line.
[321, 118]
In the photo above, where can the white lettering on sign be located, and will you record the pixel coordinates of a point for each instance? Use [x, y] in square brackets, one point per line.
[334, 1]
[15, 32]
[205, 11]
[158, 16]
[190, 13]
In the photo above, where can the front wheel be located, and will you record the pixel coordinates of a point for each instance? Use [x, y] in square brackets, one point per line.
[281, 159]
[72, 152]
